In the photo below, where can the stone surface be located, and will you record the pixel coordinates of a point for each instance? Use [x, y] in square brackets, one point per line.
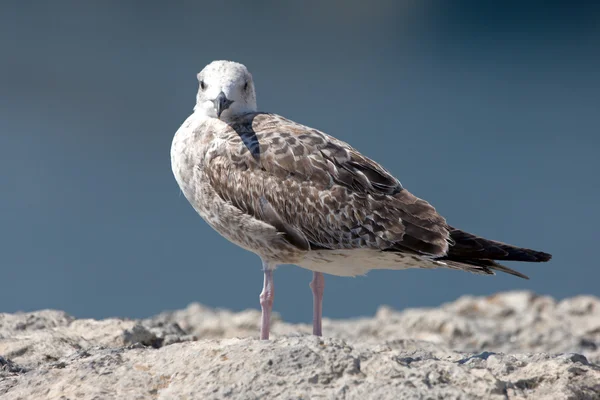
[511, 345]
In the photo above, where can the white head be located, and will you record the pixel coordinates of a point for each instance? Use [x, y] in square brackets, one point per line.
[226, 90]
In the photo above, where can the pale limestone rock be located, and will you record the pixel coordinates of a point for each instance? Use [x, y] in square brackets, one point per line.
[516, 345]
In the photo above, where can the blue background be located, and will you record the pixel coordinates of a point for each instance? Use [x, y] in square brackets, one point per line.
[488, 110]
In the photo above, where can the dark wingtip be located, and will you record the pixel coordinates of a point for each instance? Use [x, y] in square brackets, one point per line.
[527, 255]
[542, 257]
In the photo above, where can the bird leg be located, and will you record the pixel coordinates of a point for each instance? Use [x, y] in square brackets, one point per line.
[266, 302]
[318, 287]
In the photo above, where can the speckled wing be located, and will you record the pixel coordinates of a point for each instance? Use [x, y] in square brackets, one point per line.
[318, 190]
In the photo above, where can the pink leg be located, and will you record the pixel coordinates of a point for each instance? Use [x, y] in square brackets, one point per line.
[266, 302]
[318, 287]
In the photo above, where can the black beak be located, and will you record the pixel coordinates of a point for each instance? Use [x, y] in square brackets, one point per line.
[221, 103]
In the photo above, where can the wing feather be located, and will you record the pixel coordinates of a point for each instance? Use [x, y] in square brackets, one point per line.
[310, 185]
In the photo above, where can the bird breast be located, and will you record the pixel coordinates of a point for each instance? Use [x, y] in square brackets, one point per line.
[193, 146]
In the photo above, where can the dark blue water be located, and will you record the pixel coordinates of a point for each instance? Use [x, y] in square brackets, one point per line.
[491, 114]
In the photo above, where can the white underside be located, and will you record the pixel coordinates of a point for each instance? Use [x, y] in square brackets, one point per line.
[360, 261]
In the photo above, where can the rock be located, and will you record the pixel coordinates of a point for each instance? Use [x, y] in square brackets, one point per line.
[515, 345]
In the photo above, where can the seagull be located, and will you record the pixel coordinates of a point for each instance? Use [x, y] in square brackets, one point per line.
[294, 195]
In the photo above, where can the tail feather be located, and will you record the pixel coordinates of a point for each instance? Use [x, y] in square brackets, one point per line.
[469, 246]
[476, 254]
[486, 267]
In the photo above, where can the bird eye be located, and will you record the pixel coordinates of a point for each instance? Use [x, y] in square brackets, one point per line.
[202, 85]
[246, 85]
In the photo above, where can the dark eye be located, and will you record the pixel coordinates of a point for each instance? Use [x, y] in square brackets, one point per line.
[202, 85]
[246, 86]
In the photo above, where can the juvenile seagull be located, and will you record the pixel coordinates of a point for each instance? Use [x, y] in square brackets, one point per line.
[295, 195]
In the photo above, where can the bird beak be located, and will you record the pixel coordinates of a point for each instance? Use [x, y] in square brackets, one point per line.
[221, 103]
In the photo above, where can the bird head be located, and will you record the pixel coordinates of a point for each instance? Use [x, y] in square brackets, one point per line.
[226, 90]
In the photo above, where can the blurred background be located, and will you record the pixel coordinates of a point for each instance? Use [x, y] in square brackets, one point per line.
[488, 110]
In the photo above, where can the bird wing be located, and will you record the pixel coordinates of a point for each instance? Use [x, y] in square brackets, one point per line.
[318, 191]
[477, 254]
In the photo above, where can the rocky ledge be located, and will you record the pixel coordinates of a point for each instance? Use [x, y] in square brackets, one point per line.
[512, 345]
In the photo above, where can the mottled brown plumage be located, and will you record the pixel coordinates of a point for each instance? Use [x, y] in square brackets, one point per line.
[319, 193]
[322, 187]
[295, 195]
